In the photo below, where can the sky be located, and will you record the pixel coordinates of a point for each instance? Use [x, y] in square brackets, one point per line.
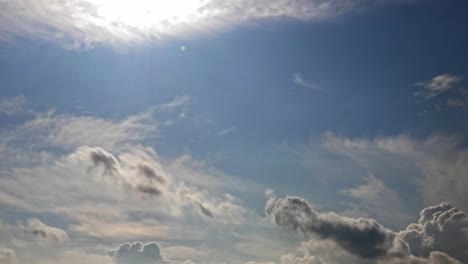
[233, 132]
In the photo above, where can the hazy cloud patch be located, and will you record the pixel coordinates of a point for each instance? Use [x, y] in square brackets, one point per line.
[7, 256]
[44, 233]
[12, 105]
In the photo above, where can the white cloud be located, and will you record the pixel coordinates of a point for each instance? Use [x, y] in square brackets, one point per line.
[37, 140]
[12, 105]
[437, 85]
[77, 257]
[182, 253]
[226, 131]
[44, 233]
[178, 102]
[376, 198]
[7, 256]
[107, 186]
[85, 23]
[437, 165]
[298, 79]
[320, 252]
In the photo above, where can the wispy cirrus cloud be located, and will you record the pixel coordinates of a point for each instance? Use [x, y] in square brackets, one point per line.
[298, 79]
[437, 85]
[81, 24]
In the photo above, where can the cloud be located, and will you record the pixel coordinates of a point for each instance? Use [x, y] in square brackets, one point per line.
[137, 252]
[113, 194]
[138, 170]
[76, 257]
[79, 24]
[178, 102]
[226, 131]
[7, 256]
[141, 171]
[40, 138]
[436, 166]
[437, 85]
[440, 236]
[321, 252]
[183, 253]
[362, 237]
[48, 131]
[298, 79]
[376, 198]
[44, 233]
[441, 228]
[12, 105]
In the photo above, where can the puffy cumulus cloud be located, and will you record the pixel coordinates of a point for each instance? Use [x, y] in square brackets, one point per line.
[81, 24]
[44, 233]
[437, 85]
[363, 237]
[137, 252]
[434, 258]
[7, 256]
[440, 236]
[441, 228]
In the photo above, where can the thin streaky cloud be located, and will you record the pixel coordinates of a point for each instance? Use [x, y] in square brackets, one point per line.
[437, 85]
[226, 131]
[298, 79]
[83, 24]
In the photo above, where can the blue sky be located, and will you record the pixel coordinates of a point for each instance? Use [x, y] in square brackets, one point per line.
[152, 132]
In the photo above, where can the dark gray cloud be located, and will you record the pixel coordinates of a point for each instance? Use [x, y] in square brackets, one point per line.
[137, 253]
[153, 191]
[440, 236]
[363, 237]
[146, 179]
[205, 211]
[100, 157]
[150, 173]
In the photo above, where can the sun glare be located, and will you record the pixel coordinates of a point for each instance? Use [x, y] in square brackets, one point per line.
[148, 14]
